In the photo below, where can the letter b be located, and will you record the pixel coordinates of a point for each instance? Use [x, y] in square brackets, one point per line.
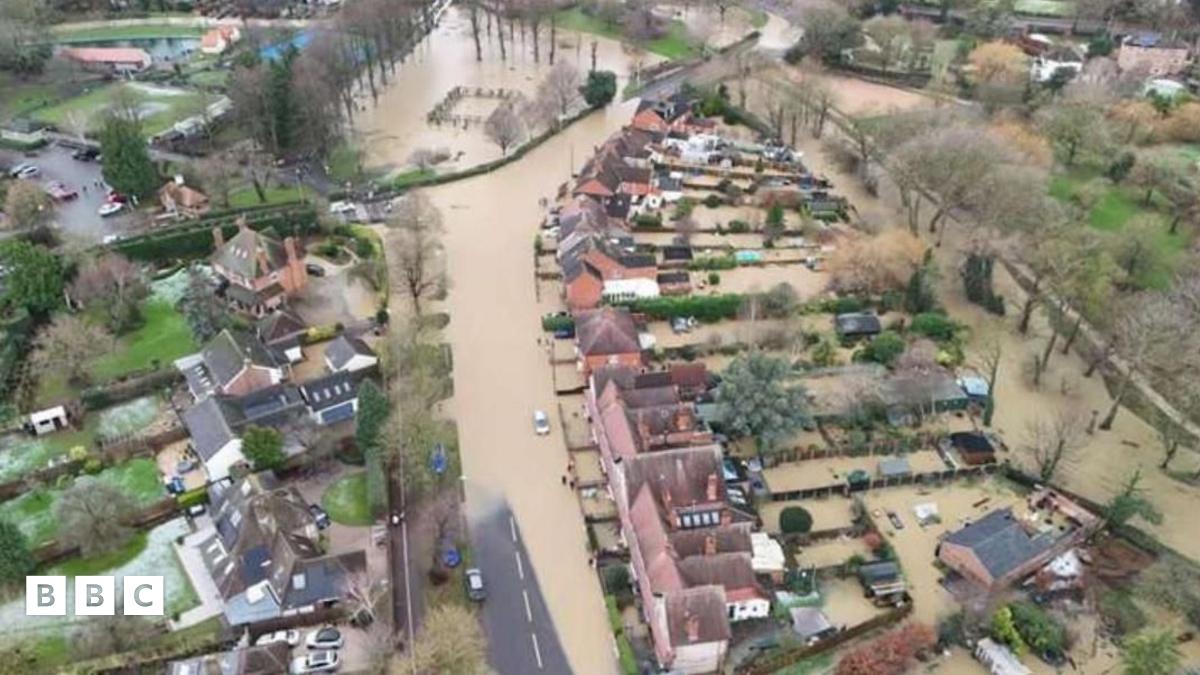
[95, 596]
[45, 596]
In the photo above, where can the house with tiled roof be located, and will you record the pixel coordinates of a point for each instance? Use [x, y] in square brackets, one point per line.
[997, 549]
[349, 354]
[220, 38]
[260, 271]
[1152, 54]
[215, 425]
[109, 59]
[182, 200]
[234, 363]
[264, 554]
[282, 331]
[269, 659]
[606, 336]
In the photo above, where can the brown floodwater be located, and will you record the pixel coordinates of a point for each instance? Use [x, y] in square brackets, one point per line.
[391, 130]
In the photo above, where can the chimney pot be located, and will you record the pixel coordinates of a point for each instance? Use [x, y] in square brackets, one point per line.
[693, 629]
[711, 492]
[710, 545]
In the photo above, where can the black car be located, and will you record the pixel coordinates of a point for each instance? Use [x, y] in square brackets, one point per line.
[320, 515]
[86, 154]
[314, 269]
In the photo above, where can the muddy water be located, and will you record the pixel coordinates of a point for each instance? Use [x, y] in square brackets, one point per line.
[391, 130]
[502, 374]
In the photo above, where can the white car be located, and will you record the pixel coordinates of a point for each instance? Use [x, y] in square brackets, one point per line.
[24, 171]
[325, 638]
[342, 208]
[291, 637]
[110, 209]
[315, 662]
[541, 423]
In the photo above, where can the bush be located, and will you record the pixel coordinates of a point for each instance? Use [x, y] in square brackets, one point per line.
[720, 262]
[1120, 613]
[648, 220]
[795, 520]
[616, 579]
[316, 334]
[191, 498]
[706, 308]
[713, 201]
[714, 278]
[938, 327]
[77, 453]
[554, 322]
[195, 239]
[884, 349]
[739, 226]
[1038, 629]
[93, 466]
[847, 305]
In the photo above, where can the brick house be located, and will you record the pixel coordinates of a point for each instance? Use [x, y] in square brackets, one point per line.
[606, 336]
[1152, 55]
[261, 272]
[233, 363]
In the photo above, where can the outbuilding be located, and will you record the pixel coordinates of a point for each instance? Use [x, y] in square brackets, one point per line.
[49, 420]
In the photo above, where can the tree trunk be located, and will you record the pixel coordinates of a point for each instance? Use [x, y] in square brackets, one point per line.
[475, 32]
[1049, 346]
[1172, 448]
[594, 45]
[1027, 309]
[553, 36]
[1116, 405]
[1071, 337]
[536, 28]
[1175, 222]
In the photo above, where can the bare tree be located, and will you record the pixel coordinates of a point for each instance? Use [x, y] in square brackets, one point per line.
[449, 642]
[417, 228]
[114, 283]
[217, 174]
[93, 515]
[1054, 440]
[504, 127]
[113, 634]
[560, 89]
[989, 359]
[69, 344]
[1151, 334]
[27, 205]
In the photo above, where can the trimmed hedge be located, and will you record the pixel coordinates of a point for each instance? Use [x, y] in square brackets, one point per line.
[195, 239]
[795, 520]
[706, 308]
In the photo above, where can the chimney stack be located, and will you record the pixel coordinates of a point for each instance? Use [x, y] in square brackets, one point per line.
[693, 628]
[218, 236]
[711, 491]
[710, 545]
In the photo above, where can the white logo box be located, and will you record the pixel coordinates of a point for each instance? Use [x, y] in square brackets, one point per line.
[95, 596]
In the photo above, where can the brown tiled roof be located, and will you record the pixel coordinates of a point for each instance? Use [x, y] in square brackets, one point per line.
[654, 544]
[688, 374]
[682, 473]
[731, 571]
[697, 615]
[607, 331]
[726, 539]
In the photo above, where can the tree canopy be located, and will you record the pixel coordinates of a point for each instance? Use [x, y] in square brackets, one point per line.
[15, 559]
[263, 446]
[600, 88]
[127, 165]
[35, 277]
[761, 399]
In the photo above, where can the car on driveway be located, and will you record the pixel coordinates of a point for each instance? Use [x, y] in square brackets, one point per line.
[325, 638]
[24, 170]
[110, 209]
[314, 269]
[541, 422]
[473, 580]
[86, 155]
[59, 191]
[319, 515]
[291, 637]
[315, 662]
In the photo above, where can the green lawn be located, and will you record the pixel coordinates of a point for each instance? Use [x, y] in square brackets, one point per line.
[103, 562]
[246, 197]
[21, 97]
[346, 500]
[1044, 7]
[163, 337]
[1117, 206]
[410, 177]
[20, 454]
[67, 34]
[673, 45]
[33, 511]
[160, 107]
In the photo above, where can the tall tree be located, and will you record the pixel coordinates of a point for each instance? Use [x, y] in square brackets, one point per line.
[35, 277]
[263, 446]
[417, 233]
[203, 310]
[600, 88]
[93, 515]
[560, 90]
[504, 127]
[1131, 500]
[25, 44]
[368, 436]
[1150, 334]
[1053, 441]
[1076, 128]
[762, 400]
[829, 30]
[126, 161]
[69, 344]
[113, 284]
[15, 558]
[27, 205]
[1151, 652]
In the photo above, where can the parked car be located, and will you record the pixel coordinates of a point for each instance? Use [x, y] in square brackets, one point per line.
[325, 638]
[197, 510]
[24, 170]
[114, 197]
[541, 422]
[175, 485]
[314, 269]
[291, 637]
[320, 515]
[112, 239]
[110, 209]
[473, 580]
[315, 662]
[895, 519]
[683, 324]
[58, 190]
[86, 155]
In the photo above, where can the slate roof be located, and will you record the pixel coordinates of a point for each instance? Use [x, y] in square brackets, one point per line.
[676, 253]
[251, 254]
[329, 391]
[809, 622]
[230, 351]
[269, 659]
[874, 572]
[969, 441]
[732, 571]
[606, 331]
[1000, 542]
[892, 467]
[857, 323]
[343, 349]
[278, 326]
[208, 425]
[682, 473]
[270, 406]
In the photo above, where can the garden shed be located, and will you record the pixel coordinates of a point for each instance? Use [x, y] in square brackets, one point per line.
[894, 467]
[49, 420]
[811, 624]
[855, 325]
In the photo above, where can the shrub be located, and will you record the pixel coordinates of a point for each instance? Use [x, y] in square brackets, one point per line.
[93, 466]
[1120, 613]
[884, 349]
[739, 226]
[720, 262]
[713, 201]
[714, 278]
[77, 453]
[795, 520]
[195, 239]
[616, 579]
[1038, 629]
[847, 305]
[191, 498]
[647, 220]
[683, 208]
[935, 326]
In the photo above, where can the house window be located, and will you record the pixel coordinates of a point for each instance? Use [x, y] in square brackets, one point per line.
[732, 611]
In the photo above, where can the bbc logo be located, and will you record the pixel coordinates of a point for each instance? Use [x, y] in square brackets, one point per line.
[94, 596]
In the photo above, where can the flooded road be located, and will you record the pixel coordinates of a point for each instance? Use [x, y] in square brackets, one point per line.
[502, 374]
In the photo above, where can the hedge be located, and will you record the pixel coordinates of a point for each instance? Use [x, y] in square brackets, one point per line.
[795, 520]
[195, 239]
[706, 308]
[721, 262]
[192, 498]
[556, 322]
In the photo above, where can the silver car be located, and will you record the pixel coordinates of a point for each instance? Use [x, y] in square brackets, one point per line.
[541, 422]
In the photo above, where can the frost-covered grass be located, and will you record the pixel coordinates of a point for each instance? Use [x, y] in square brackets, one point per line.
[127, 418]
[156, 558]
[20, 454]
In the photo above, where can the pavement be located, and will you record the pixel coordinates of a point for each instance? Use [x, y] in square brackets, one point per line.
[521, 635]
[77, 220]
[211, 603]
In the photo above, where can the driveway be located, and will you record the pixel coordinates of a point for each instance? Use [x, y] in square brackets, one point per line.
[337, 297]
[77, 220]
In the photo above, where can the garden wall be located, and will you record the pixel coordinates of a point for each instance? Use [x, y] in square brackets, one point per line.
[775, 661]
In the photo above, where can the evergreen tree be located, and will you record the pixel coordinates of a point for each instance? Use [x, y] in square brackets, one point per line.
[369, 437]
[34, 278]
[263, 446]
[15, 559]
[600, 88]
[281, 101]
[127, 165]
[977, 282]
